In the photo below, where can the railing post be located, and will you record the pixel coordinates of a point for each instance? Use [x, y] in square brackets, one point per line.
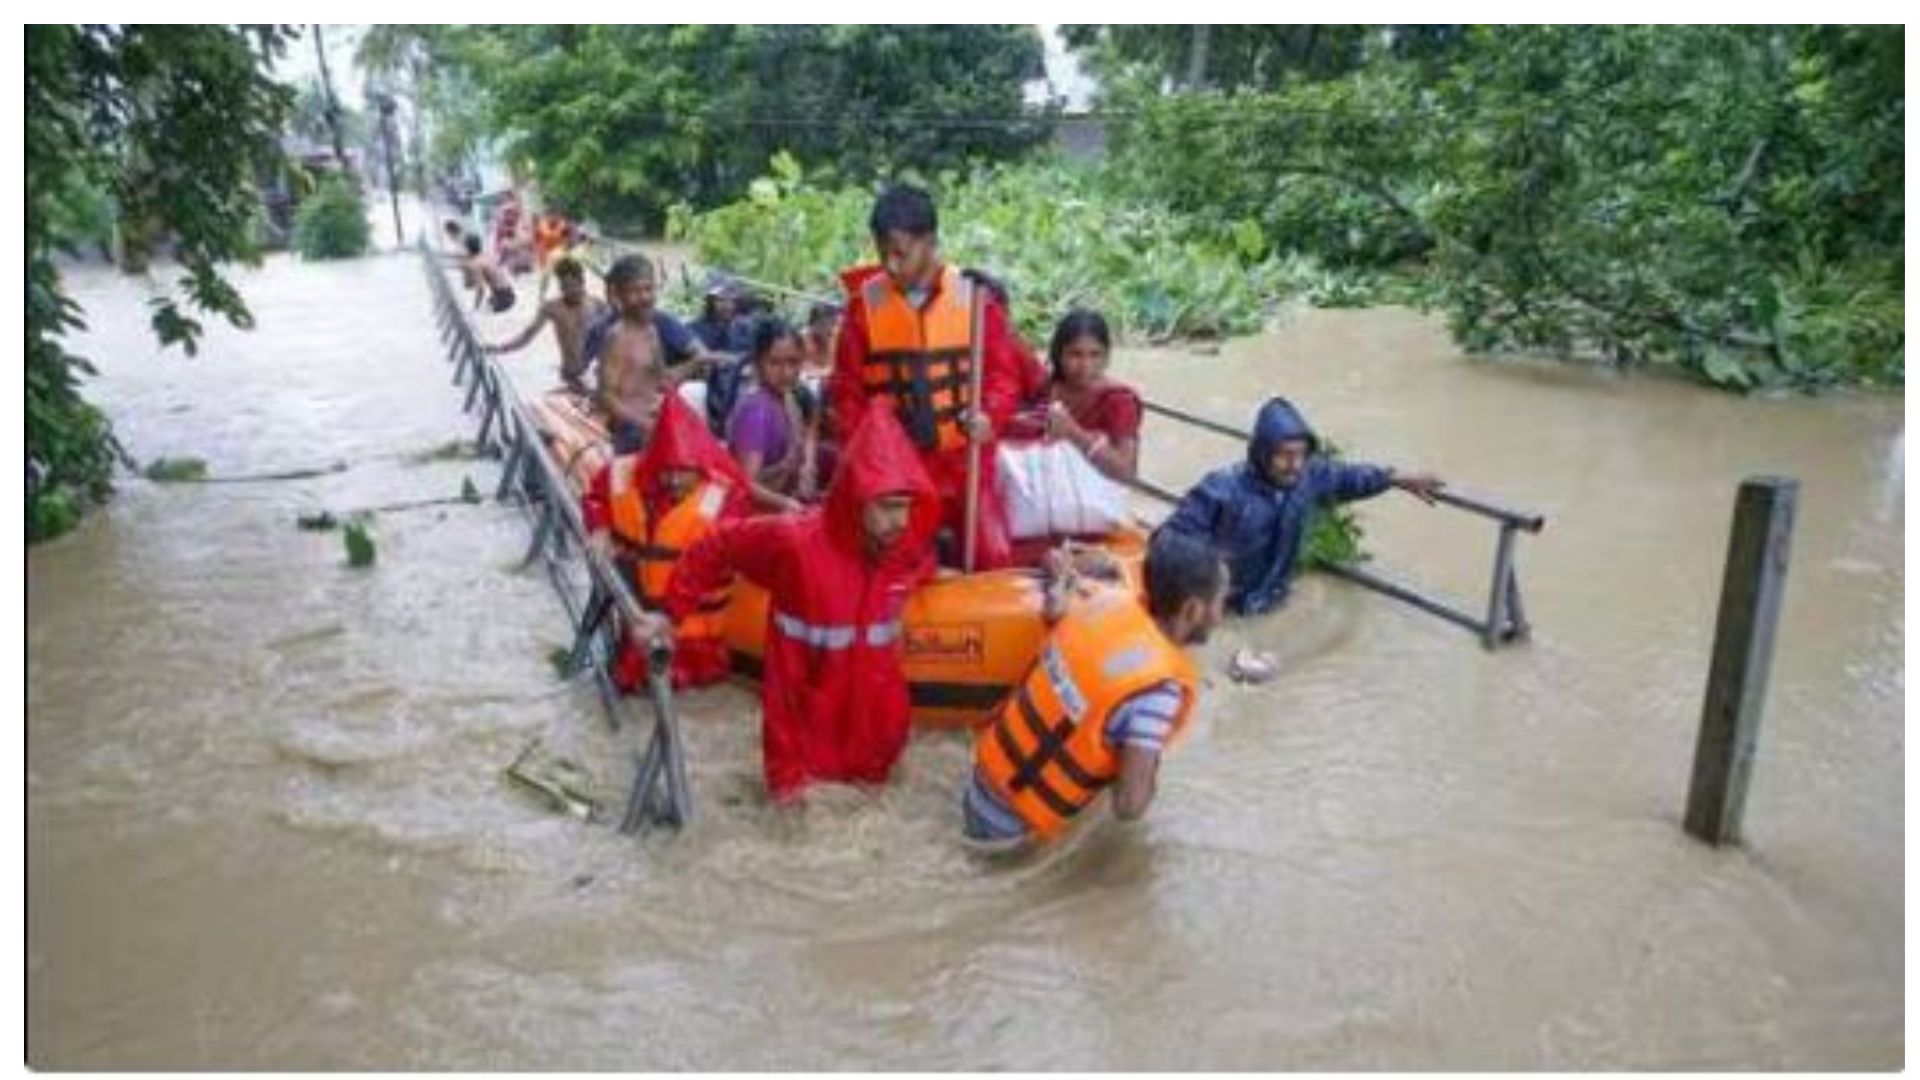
[1751, 592]
[1499, 594]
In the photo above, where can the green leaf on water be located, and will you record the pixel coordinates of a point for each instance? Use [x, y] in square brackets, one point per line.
[360, 550]
[469, 493]
[165, 470]
[561, 658]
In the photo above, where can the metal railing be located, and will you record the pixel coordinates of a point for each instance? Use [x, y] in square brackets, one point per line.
[530, 478]
[1504, 620]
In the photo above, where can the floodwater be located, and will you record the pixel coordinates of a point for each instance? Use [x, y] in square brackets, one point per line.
[267, 826]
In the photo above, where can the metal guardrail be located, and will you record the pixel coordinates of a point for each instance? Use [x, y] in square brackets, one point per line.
[531, 478]
[1505, 618]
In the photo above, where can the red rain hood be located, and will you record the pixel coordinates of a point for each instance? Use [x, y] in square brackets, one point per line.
[681, 441]
[881, 460]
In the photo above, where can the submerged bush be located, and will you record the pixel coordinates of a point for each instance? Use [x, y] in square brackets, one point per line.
[332, 224]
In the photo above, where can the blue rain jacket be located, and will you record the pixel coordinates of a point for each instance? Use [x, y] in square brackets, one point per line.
[1258, 526]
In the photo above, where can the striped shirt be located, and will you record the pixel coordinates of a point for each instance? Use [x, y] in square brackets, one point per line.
[1143, 720]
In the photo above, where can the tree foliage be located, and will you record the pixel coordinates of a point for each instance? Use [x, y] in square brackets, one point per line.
[1726, 198]
[1246, 56]
[333, 223]
[168, 124]
[1051, 230]
[622, 122]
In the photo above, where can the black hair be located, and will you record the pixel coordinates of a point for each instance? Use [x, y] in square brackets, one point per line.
[903, 208]
[770, 331]
[629, 268]
[994, 286]
[822, 311]
[473, 243]
[1180, 568]
[1077, 324]
[570, 268]
[452, 227]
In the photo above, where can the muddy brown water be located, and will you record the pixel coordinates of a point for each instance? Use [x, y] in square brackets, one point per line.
[267, 826]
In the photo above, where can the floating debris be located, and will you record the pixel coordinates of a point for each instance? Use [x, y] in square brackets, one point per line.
[360, 549]
[166, 470]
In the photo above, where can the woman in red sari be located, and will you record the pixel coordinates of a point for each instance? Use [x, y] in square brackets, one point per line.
[1099, 416]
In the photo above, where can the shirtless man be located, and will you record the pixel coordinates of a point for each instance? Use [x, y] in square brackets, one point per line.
[647, 352]
[570, 315]
[489, 283]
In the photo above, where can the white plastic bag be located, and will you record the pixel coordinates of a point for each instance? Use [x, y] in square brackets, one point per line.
[1051, 489]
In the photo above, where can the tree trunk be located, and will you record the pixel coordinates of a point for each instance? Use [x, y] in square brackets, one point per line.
[1197, 56]
[333, 104]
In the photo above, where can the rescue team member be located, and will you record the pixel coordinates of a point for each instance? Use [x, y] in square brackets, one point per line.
[1112, 687]
[833, 694]
[570, 315]
[906, 339]
[645, 510]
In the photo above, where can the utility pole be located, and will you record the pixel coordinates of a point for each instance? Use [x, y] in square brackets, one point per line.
[1197, 56]
[385, 101]
[333, 103]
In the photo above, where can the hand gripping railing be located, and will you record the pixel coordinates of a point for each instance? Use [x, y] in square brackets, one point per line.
[1505, 619]
[531, 478]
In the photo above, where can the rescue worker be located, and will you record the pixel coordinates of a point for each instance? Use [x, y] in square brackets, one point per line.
[645, 510]
[906, 338]
[833, 693]
[1111, 689]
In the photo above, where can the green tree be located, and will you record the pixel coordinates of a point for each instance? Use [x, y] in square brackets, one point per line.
[1245, 56]
[1726, 198]
[622, 122]
[169, 123]
[333, 223]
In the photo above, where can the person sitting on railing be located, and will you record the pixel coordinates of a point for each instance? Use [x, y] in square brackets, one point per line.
[1258, 512]
[645, 353]
[483, 275]
[570, 315]
[833, 694]
[773, 431]
[643, 511]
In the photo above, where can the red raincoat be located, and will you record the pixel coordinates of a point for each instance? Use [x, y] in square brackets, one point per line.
[833, 695]
[680, 441]
[1001, 379]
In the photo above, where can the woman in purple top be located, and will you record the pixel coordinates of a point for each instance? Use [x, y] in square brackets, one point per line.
[770, 432]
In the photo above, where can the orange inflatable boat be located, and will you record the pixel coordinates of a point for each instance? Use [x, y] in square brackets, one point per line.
[969, 637]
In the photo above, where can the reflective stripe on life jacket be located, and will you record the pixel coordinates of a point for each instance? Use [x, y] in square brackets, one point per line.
[921, 359]
[1045, 752]
[657, 550]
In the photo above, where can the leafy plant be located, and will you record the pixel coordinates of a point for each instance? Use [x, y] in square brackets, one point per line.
[167, 470]
[360, 546]
[160, 130]
[333, 223]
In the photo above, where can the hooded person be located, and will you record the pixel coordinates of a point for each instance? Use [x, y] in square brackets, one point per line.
[833, 693]
[1257, 513]
[654, 505]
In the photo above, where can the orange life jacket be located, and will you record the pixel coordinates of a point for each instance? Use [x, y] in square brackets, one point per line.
[921, 359]
[1045, 751]
[658, 546]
